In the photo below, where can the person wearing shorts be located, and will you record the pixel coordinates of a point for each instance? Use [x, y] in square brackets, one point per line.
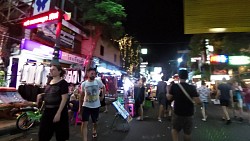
[225, 93]
[182, 118]
[90, 101]
[238, 100]
[161, 92]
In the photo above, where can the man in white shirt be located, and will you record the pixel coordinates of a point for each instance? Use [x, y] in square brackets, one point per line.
[204, 94]
[90, 101]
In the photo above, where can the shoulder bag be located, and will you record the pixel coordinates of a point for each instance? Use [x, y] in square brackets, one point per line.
[185, 92]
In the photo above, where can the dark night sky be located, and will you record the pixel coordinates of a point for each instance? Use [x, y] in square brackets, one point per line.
[158, 25]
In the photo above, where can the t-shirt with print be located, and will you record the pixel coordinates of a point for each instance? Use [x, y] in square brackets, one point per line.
[53, 93]
[203, 92]
[91, 90]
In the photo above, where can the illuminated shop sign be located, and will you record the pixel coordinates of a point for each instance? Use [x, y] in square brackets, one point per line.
[72, 58]
[219, 59]
[239, 60]
[38, 49]
[195, 59]
[37, 20]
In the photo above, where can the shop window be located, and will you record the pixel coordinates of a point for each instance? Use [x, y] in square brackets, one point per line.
[102, 51]
[114, 57]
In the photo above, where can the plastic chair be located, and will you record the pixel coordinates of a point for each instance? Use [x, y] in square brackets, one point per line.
[77, 120]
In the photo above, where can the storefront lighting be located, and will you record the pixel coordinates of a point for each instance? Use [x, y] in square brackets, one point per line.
[37, 48]
[143, 66]
[194, 59]
[234, 60]
[144, 51]
[217, 30]
[219, 59]
[219, 77]
[144, 63]
[37, 20]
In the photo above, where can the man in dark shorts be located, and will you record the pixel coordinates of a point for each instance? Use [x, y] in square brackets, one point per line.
[161, 92]
[182, 118]
[90, 102]
[225, 94]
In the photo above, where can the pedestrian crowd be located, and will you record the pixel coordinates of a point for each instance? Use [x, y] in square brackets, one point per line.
[67, 104]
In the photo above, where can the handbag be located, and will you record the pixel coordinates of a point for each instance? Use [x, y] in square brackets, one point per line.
[185, 92]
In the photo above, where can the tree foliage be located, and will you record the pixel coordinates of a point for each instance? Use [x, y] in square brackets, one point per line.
[223, 43]
[108, 14]
[130, 50]
[226, 43]
[236, 44]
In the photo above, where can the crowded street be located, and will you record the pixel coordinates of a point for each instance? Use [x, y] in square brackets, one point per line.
[152, 130]
[124, 70]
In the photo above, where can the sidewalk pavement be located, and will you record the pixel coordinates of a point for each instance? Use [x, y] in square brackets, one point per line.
[151, 130]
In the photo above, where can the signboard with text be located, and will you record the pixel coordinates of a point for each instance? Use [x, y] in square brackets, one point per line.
[219, 59]
[39, 20]
[122, 111]
[49, 33]
[72, 58]
[239, 60]
[41, 6]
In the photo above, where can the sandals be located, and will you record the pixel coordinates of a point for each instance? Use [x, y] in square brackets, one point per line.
[94, 135]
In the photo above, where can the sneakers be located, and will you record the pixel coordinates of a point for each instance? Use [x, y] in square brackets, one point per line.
[139, 118]
[204, 119]
[159, 120]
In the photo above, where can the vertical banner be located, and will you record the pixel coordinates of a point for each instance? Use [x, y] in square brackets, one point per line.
[41, 6]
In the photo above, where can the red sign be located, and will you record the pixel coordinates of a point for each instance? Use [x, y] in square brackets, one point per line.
[47, 17]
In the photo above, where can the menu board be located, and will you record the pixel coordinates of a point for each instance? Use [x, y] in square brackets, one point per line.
[122, 111]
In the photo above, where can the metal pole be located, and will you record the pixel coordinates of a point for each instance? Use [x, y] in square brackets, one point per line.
[55, 60]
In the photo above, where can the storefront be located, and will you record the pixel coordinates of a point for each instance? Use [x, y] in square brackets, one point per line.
[33, 60]
[31, 67]
[75, 72]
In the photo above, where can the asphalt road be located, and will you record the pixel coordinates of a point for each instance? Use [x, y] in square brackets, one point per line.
[151, 130]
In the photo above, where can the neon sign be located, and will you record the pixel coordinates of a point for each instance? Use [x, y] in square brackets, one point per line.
[47, 17]
[234, 60]
[219, 59]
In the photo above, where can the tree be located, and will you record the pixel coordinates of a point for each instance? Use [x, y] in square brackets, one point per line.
[223, 43]
[236, 44]
[103, 19]
[130, 50]
[107, 14]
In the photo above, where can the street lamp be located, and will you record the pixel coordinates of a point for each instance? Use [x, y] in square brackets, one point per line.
[144, 51]
[179, 60]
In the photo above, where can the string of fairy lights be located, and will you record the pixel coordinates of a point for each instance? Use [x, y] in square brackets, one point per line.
[129, 53]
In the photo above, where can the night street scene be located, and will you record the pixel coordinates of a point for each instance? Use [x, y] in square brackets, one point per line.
[124, 70]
